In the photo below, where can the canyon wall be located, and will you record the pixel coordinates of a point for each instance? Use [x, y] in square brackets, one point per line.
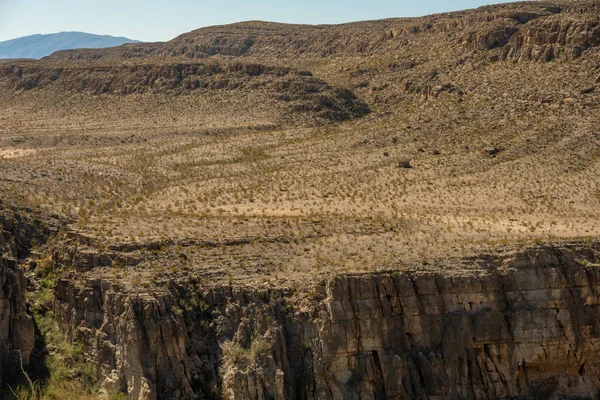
[524, 326]
[17, 233]
[16, 327]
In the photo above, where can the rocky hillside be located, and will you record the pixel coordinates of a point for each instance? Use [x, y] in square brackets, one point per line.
[523, 326]
[297, 91]
[527, 30]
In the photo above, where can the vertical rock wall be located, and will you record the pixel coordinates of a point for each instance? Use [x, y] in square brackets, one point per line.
[527, 329]
[16, 326]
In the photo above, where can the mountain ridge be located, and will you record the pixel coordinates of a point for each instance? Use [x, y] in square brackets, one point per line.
[41, 45]
[486, 28]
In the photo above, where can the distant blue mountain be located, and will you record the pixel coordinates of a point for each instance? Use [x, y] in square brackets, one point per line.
[38, 46]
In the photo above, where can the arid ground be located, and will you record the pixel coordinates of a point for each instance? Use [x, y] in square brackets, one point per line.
[279, 155]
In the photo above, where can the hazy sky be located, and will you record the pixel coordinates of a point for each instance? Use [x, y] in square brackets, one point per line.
[160, 20]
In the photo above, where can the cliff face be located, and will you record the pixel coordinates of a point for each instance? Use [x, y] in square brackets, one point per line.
[137, 342]
[527, 326]
[16, 326]
[557, 37]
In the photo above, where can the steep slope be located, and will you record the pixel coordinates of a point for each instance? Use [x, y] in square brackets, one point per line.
[286, 91]
[38, 46]
[19, 230]
[523, 326]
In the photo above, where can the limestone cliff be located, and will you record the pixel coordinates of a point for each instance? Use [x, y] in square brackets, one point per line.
[17, 233]
[16, 327]
[562, 37]
[526, 325]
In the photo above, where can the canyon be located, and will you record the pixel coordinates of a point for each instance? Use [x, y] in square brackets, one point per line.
[527, 327]
[396, 209]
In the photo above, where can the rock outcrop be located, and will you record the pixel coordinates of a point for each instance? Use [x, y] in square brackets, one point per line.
[296, 90]
[16, 326]
[557, 37]
[138, 342]
[548, 33]
[526, 326]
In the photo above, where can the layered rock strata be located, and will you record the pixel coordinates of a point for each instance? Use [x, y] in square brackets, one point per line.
[17, 233]
[522, 327]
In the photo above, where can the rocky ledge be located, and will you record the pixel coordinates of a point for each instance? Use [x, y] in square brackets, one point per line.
[525, 325]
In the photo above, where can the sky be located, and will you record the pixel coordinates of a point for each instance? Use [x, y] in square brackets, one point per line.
[162, 20]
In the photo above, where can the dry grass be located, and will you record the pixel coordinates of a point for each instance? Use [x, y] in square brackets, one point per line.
[250, 193]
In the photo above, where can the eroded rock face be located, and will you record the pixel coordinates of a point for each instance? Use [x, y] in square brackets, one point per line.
[138, 343]
[297, 90]
[559, 37]
[552, 32]
[16, 326]
[528, 326]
